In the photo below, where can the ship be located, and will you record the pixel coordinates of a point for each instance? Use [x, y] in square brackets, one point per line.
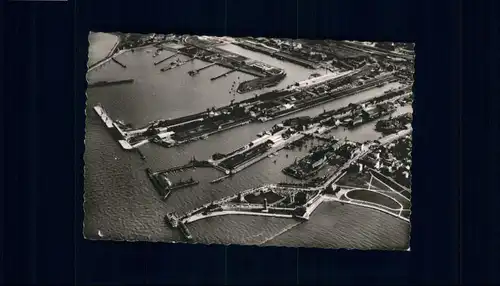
[141, 154]
[172, 220]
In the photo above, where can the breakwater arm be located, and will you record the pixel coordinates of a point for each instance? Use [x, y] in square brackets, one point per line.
[108, 83]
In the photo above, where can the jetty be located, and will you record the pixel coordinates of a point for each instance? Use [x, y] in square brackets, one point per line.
[107, 83]
[143, 157]
[223, 75]
[165, 59]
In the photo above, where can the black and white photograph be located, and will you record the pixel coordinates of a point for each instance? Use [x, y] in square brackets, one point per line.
[248, 141]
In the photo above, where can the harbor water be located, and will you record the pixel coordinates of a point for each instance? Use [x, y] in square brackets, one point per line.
[121, 202]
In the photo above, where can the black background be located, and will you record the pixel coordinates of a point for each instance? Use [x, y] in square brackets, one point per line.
[455, 149]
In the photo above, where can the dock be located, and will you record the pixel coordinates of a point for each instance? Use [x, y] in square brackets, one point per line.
[165, 59]
[223, 75]
[104, 116]
[116, 61]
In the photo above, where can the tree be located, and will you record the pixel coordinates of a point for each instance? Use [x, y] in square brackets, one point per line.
[300, 198]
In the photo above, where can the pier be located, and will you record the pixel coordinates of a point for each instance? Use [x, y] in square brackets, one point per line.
[116, 61]
[223, 75]
[176, 65]
[107, 83]
[164, 186]
[220, 179]
[185, 231]
[104, 116]
[165, 59]
[196, 71]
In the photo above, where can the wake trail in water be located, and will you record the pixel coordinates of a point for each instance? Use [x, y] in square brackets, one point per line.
[280, 233]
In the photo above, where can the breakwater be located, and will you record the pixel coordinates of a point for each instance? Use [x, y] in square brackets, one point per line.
[108, 83]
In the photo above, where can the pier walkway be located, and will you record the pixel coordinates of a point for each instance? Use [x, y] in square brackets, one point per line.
[165, 59]
[202, 68]
[224, 74]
